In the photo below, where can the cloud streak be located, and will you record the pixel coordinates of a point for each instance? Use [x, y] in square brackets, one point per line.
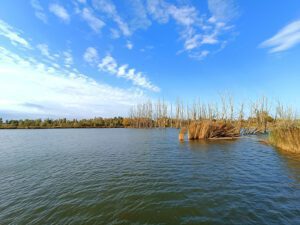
[44, 50]
[57, 92]
[95, 23]
[60, 12]
[110, 65]
[39, 10]
[107, 7]
[91, 56]
[13, 35]
[199, 33]
[284, 39]
[223, 10]
[129, 45]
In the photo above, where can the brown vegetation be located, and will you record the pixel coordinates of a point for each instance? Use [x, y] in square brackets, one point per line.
[286, 138]
[208, 121]
[201, 121]
[182, 134]
[286, 131]
[212, 130]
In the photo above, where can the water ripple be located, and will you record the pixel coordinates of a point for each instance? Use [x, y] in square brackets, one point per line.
[129, 176]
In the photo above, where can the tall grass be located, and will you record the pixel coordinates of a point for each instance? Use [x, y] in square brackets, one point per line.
[223, 120]
[286, 138]
[211, 130]
[286, 131]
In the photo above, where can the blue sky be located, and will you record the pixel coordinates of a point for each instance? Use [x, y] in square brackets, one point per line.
[86, 58]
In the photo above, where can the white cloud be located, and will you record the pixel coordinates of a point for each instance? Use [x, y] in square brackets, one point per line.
[196, 31]
[137, 15]
[13, 35]
[185, 15]
[129, 45]
[44, 49]
[44, 91]
[60, 12]
[122, 25]
[223, 10]
[109, 64]
[286, 38]
[157, 9]
[91, 56]
[95, 23]
[65, 57]
[122, 70]
[109, 8]
[39, 10]
[82, 1]
[200, 55]
[115, 34]
[68, 58]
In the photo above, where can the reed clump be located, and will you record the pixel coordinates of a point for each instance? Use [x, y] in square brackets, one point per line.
[212, 130]
[285, 134]
[223, 119]
[182, 134]
[286, 138]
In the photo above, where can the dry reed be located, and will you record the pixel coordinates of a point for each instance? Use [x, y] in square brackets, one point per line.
[182, 134]
[212, 130]
[286, 138]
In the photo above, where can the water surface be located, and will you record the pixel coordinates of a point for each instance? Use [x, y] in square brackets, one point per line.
[135, 176]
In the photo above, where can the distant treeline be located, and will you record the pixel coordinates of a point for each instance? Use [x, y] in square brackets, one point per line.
[98, 122]
[116, 122]
[255, 116]
[199, 120]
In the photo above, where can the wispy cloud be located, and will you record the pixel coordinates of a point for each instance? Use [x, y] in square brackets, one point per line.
[138, 17]
[39, 10]
[110, 65]
[91, 56]
[129, 45]
[13, 35]
[67, 93]
[200, 55]
[201, 34]
[223, 10]
[44, 49]
[284, 39]
[57, 59]
[115, 34]
[82, 1]
[196, 31]
[60, 12]
[107, 7]
[68, 58]
[95, 23]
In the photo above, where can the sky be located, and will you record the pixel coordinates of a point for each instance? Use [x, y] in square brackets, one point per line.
[92, 58]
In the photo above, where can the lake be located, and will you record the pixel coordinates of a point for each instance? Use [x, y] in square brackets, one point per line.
[143, 176]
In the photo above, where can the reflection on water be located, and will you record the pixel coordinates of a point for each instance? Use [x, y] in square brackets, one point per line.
[291, 162]
[131, 176]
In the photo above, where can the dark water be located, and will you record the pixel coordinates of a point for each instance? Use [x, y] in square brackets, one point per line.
[128, 176]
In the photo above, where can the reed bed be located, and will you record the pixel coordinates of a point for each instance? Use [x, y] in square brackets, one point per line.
[286, 138]
[182, 134]
[222, 120]
[212, 130]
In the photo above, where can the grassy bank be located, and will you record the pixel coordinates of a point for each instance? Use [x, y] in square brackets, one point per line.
[286, 138]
